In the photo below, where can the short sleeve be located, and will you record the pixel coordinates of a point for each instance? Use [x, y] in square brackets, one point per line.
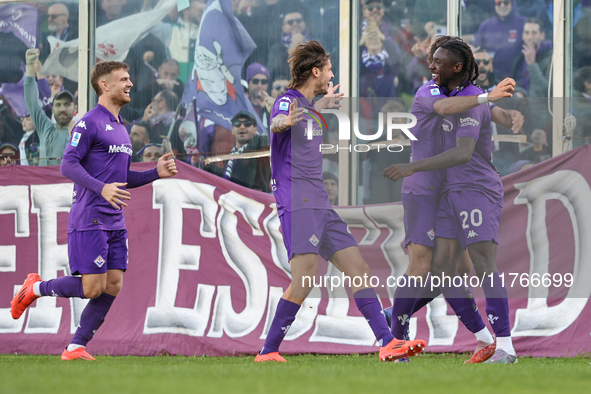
[428, 98]
[470, 122]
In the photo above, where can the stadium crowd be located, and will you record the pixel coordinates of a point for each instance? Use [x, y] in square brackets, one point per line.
[509, 38]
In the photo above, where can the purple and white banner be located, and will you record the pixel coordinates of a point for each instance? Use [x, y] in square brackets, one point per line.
[207, 267]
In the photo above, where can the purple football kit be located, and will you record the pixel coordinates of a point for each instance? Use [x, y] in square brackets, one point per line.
[308, 222]
[421, 198]
[420, 191]
[99, 152]
[472, 198]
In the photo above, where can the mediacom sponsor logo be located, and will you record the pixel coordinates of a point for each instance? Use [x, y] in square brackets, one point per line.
[120, 149]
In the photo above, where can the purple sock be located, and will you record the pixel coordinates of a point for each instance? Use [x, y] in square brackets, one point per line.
[65, 286]
[402, 310]
[497, 305]
[92, 317]
[426, 295]
[284, 316]
[462, 302]
[368, 304]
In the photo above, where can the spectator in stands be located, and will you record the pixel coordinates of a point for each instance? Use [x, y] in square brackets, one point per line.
[151, 152]
[486, 77]
[331, 183]
[140, 137]
[58, 26]
[582, 106]
[29, 144]
[163, 111]
[539, 149]
[53, 138]
[257, 77]
[165, 78]
[9, 154]
[253, 173]
[426, 11]
[184, 35]
[279, 86]
[380, 55]
[502, 36]
[294, 32]
[110, 10]
[536, 9]
[56, 84]
[264, 26]
[531, 69]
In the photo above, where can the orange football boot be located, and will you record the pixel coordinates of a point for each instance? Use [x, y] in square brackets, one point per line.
[24, 297]
[273, 356]
[482, 353]
[399, 349]
[78, 354]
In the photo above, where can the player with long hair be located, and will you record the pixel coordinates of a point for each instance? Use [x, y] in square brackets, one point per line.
[310, 226]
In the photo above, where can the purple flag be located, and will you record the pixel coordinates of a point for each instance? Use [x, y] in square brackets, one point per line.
[21, 21]
[219, 58]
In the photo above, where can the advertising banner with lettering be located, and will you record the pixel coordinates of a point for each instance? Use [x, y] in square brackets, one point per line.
[207, 266]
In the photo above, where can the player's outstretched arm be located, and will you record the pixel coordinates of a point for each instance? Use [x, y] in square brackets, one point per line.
[282, 122]
[455, 105]
[509, 119]
[460, 154]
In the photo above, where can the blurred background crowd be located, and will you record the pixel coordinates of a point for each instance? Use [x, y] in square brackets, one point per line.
[509, 38]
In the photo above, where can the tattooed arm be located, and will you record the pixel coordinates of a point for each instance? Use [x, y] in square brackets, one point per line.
[280, 123]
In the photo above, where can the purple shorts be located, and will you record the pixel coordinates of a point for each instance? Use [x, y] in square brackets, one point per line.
[419, 219]
[319, 231]
[468, 216]
[96, 251]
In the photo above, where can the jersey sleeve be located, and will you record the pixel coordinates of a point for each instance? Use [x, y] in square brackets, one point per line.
[427, 98]
[281, 106]
[470, 122]
[80, 142]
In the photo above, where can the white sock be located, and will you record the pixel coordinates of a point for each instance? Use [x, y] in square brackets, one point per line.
[73, 346]
[484, 336]
[36, 288]
[506, 344]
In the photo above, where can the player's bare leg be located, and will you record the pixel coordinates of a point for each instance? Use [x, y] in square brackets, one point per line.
[483, 256]
[350, 262]
[302, 266]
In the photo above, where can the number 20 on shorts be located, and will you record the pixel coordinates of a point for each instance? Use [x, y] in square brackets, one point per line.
[475, 218]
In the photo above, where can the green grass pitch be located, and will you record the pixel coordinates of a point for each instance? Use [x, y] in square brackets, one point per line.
[430, 373]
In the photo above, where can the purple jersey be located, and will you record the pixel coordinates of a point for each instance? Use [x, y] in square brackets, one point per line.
[429, 141]
[479, 173]
[99, 152]
[296, 160]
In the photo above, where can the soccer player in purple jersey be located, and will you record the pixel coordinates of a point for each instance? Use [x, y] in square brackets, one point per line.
[420, 196]
[469, 209]
[97, 159]
[309, 224]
